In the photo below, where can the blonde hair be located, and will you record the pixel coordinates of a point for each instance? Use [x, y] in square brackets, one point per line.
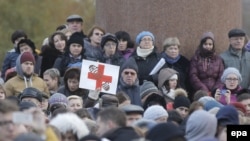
[75, 97]
[171, 41]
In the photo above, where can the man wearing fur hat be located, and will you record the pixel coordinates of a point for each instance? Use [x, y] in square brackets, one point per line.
[236, 56]
[25, 76]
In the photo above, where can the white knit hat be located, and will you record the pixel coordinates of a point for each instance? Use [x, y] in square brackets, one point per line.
[155, 111]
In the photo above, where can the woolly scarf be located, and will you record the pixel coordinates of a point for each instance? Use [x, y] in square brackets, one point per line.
[144, 52]
[171, 60]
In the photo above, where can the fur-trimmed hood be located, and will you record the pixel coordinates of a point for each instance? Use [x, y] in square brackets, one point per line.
[70, 122]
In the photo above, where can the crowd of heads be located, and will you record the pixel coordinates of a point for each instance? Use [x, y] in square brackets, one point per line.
[160, 96]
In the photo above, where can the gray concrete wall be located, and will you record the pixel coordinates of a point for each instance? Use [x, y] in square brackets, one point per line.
[185, 19]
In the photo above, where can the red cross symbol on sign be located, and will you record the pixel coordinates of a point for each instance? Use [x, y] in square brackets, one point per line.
[99, 76]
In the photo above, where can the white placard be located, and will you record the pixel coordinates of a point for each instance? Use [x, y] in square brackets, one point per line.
[158, 66]
[96, 74]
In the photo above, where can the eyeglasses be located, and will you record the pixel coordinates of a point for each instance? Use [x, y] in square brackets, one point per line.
[146, 39]
[98, 34]
[128, 72]
[110, 45]
[232, 79]
[6, 123]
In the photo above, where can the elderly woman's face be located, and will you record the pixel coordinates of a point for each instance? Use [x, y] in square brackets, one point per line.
[232, 81]
[146, 42]
[172, 51]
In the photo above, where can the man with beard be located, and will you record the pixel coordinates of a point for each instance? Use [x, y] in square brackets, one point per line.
[25, 76]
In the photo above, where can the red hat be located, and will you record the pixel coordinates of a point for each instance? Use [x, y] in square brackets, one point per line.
[27, 56]
[239, 106]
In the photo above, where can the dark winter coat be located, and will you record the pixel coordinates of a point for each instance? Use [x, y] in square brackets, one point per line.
[115, 59]
[182, 67]
[133, 91]
[146, 65]
[122, 134]
[83, 93]
[63, 62]
[205, 74]
[9, 61]
[49, 57]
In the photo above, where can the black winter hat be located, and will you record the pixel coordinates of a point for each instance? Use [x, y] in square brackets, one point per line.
[109, 37]
[28, 42]
[26, 105]
[164, 132]
[76, 38]
[31, 92]
[236, 33]
[181, 101]
[129, 64]
[154, 99]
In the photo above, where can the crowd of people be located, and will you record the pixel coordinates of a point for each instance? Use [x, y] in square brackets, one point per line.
[181, 100]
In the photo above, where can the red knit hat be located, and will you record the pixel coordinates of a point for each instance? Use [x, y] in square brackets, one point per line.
[27, 56]
[239, 106]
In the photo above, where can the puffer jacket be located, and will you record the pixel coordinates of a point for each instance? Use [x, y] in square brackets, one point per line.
[205, 73]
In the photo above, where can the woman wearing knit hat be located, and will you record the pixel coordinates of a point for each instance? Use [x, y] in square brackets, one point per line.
[145, 56]
[206, 66]
[226, 94]
[74, 53]
[109, 44]
[174, 60]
